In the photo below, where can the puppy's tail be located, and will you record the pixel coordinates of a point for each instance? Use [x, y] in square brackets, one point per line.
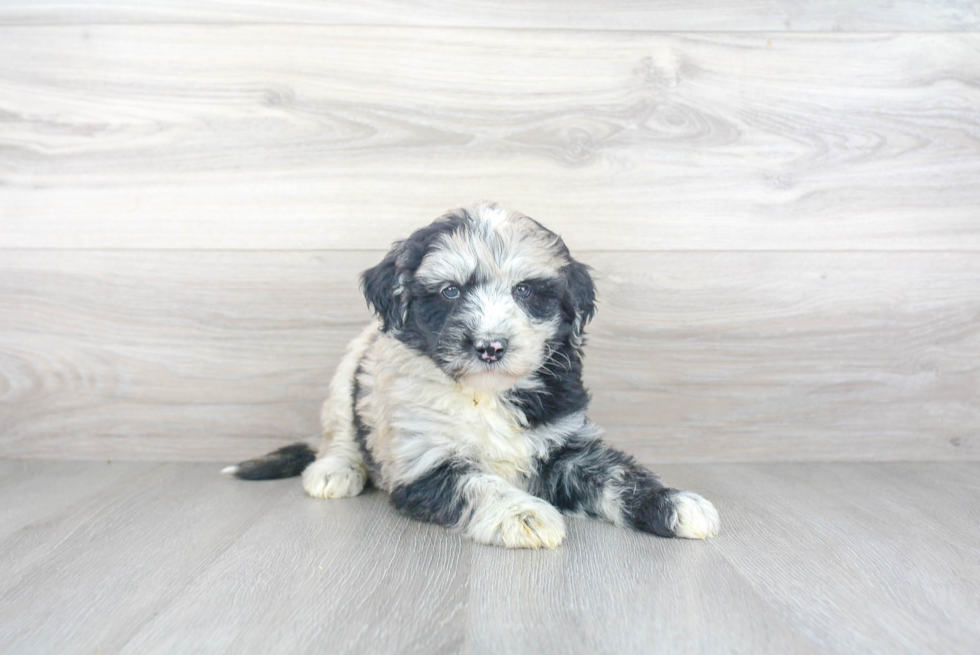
[286, 462]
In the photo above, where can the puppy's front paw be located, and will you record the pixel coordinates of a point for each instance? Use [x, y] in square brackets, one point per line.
[693, 517]
[674, 513]
[526, 522]
[533, 527]
[333, 477]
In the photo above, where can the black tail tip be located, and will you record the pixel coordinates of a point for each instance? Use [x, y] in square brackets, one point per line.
[287, 462]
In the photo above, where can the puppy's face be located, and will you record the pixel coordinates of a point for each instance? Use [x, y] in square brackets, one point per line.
[485, 293]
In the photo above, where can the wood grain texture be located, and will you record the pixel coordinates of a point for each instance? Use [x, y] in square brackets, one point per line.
[27, 491]
[810, 544]
[309, 137]
[674, 15]
[345, 579]
[693, 356]
[609, 590]
[810, 541]
[114, 556]
[812, 558]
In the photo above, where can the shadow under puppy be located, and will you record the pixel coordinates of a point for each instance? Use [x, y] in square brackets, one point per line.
[465, 399]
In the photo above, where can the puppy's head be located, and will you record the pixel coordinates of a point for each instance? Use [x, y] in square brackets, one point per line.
[486, 293]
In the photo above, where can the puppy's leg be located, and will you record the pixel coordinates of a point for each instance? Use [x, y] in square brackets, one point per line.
[588, 477]
[483, 506]
[340, 469]
[341, 473]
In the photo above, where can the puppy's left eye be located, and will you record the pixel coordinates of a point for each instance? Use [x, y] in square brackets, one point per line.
[522, 291]
[451, 292]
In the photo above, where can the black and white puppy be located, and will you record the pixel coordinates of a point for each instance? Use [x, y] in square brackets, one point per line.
[465, 399]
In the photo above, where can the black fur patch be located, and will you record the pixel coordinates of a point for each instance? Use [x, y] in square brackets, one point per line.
[575, 476]
[428, 316]
[650, 510]
[286, 462]
[435, 497]
[563, 392]
[544, 301]
[380, 282]
[579, 300]
[360, 429]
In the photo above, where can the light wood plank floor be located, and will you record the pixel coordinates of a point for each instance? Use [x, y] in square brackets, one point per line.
[174, 558]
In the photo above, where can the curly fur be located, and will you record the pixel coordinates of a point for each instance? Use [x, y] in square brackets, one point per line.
[465, 399]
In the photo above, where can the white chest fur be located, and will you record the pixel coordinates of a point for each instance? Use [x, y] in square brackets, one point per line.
[453, 422]
[421, 417]
[494, 436]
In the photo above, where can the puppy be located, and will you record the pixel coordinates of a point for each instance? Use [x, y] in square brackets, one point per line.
[464, 399]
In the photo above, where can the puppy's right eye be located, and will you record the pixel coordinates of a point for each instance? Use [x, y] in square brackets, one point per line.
[451, 292]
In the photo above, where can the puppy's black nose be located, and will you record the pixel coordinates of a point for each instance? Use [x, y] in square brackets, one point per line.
[491, 350]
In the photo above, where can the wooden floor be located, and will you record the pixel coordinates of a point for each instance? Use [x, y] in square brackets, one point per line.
[175, 558]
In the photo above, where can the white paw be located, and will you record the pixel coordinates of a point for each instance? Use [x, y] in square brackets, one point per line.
[533, 527]
[694, 517]
[518, 521]
[333, 477]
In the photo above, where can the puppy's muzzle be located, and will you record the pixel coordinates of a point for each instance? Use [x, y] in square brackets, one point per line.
[490, 350]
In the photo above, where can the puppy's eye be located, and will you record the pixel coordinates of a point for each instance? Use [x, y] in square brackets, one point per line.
[522, 291]
[451, 292]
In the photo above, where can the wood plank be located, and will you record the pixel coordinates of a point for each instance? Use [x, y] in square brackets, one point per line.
[853, 554]
[842, 558]
[692, 357]
[351, 576]
[610, 590]
[60, 515]
[201, 350]
[307, 137]
[870, 356]
[31, 491]
[90, 578]
[673, 15]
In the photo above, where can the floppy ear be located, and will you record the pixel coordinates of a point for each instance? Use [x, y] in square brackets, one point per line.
[580, 297]
[382, 289]
[384, 285]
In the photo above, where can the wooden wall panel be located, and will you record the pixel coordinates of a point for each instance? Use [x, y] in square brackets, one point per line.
[780, 198]
[693, 356]
[300, 137]
[674, 15]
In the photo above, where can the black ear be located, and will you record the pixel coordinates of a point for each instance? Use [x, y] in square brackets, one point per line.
[384, 286]
[382, 289]
[579, 296]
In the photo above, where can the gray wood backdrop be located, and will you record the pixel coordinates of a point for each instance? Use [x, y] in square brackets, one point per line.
[781, 203]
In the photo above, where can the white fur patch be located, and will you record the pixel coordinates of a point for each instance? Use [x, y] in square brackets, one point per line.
[503, 515]
[694, 517]
[337, 413]
[611, 505]
[334, 477]
[506, 245]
